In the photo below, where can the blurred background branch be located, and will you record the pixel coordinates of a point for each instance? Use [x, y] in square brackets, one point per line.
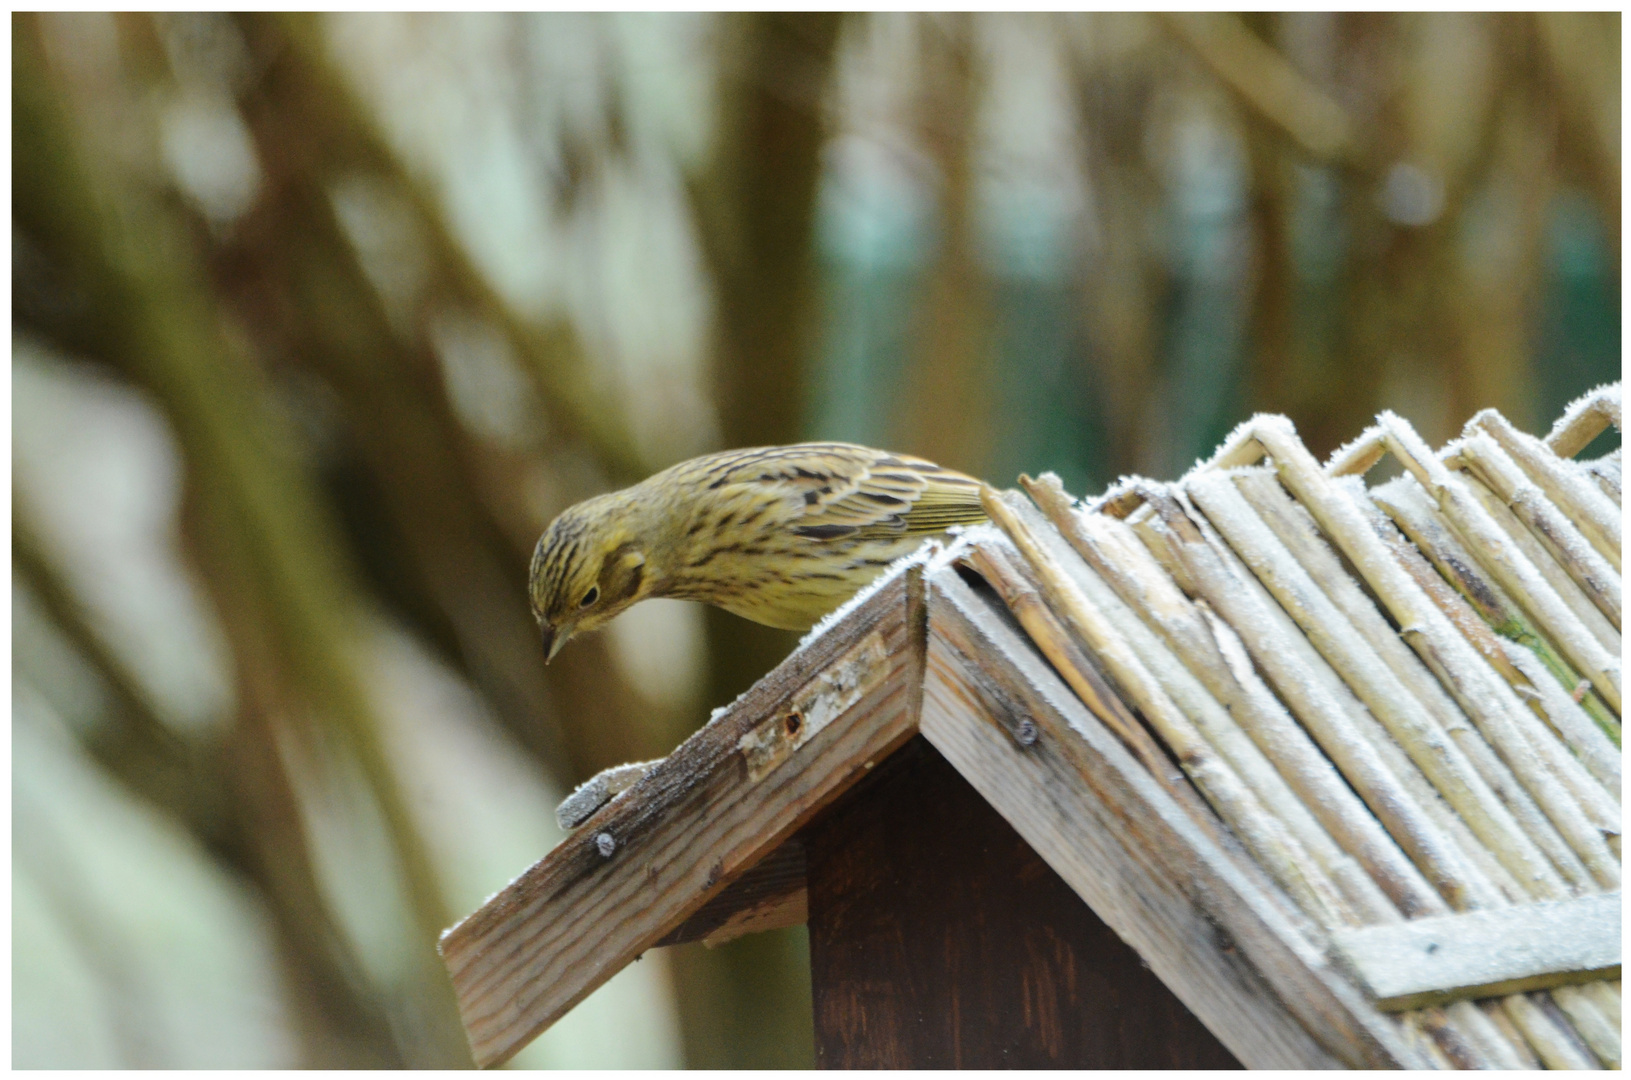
[1268, 82]
[259, 522]
[319, 320]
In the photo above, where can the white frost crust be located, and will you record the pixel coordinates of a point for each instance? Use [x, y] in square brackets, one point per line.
[1125, 487]
[1342, 459]
[1234, 449]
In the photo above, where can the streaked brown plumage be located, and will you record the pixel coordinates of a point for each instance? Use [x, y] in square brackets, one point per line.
[781, 535]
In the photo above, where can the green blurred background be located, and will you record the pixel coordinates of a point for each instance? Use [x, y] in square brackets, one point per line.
[317, 321]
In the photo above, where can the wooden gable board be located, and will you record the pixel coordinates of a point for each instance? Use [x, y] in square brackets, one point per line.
[697, 820]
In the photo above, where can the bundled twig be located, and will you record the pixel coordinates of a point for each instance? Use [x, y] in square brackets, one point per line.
[1303, 546]
[1205, 643]
[1588, 1007]
[1585, 419]
[1579, 501]
[1475, 1039]
[1606, 472]
[1590, 570]
[1044, 628]
[1528, 821]
[1593, 619]
[1442, 759]
[1500, 556]
[1404, 502]
[1488, 700]
[1123, 649]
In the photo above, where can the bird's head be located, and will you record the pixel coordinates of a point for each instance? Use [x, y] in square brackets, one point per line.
[587, 568]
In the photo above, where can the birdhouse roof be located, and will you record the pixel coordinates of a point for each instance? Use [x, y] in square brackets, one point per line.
[1340, 762]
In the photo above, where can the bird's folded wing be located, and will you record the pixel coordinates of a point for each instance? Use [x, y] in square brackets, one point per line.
[840, 490]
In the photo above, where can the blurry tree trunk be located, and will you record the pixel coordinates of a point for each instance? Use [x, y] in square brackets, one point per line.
[1395, 352]
[289, 255]
[1581, 64]
[1494, 295]
[1437, 86]
[756, 213]
[1284, 371]
[757, 209]
[1115, 73]
[268, 835]
[434, 535]
[1296, 332]
[126, 251]
[1414, 338]
[949, 360]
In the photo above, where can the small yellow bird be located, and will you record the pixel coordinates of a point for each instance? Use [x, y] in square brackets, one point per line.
[781, 535]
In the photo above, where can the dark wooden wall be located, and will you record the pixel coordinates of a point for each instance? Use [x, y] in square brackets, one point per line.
[939, 939]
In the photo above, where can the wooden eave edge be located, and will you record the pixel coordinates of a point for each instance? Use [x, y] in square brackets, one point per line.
[649, 859]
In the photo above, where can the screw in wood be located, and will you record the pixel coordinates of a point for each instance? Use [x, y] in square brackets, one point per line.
[605, 843]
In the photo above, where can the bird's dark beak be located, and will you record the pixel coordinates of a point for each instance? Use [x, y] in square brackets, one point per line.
[553, 640]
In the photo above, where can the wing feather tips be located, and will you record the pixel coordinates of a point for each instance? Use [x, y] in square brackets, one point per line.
[824, 532]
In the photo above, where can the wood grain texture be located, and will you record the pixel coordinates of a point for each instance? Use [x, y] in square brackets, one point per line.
[1486, 953]
[767, 897]
[1207, 920]
[692, 825]
[941, 940]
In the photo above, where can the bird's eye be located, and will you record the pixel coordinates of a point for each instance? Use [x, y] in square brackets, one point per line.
[590, 597]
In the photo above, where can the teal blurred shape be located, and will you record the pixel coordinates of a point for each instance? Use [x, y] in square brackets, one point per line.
[1577, 342]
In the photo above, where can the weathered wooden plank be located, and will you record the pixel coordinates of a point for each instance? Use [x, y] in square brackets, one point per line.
[1487, 953]
[1207, 920]
[767, 897]
[942, 940]
[722, 800]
